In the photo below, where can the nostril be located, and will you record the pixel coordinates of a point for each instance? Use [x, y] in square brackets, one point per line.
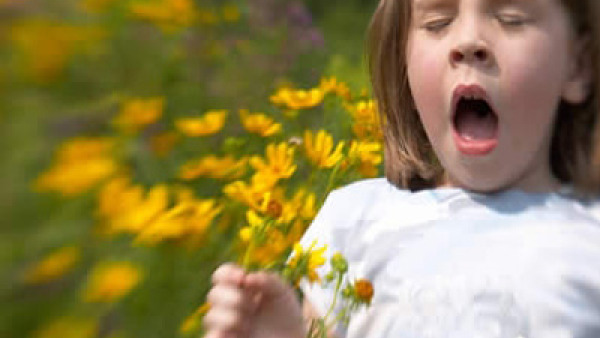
[457, 56]
[481, 55]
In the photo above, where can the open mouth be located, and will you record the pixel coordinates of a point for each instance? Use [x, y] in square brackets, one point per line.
[475, 122]
[474, 119]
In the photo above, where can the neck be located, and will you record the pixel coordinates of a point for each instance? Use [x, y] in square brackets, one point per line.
[545, 183]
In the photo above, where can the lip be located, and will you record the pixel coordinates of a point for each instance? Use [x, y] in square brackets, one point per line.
[469, 146]
[469, 90]
[474, 147]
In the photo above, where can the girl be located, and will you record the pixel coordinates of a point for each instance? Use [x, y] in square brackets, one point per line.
[490, 132]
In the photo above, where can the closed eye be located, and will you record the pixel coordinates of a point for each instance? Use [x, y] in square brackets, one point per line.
[437, 24]
[514, 15]
[511, 19]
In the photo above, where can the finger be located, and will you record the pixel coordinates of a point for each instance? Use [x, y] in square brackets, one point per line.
[235, 298]
[226, 321]
[266, 284]
[228, 273]
[221, 334]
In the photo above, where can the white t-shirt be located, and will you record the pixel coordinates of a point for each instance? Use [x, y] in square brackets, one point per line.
[450, 263]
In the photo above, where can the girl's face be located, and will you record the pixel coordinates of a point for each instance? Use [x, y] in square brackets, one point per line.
[487, 77]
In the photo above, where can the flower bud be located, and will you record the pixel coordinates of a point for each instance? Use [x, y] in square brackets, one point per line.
[339, 263]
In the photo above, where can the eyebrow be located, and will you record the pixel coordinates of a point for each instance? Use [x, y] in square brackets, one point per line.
[424, 4]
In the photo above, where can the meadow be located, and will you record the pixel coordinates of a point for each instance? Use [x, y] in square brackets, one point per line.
[145, 142]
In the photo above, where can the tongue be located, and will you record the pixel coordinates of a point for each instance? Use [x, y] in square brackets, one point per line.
[471, 126]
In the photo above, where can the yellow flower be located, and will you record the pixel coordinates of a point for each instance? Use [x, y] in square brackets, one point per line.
[253, 194]
[242, 192]
[169, 15]
[68, 327]
[137, 212]
[279, 161]
[365, 151]
[269, 205]
[283, 211]
[54, 266]
[368, 170]
[231, 13]
[46, 47]
[304, 204]
[188, 218]
[137, 113]
[255, 222]
[273, 204]
[270, 243]
[79, 164]
[84, 148]
[367, 123]
[118, 196]
[272, 249]
[110, 282]
[264, 181]
[75, 178]
[332, 85]
[367, 155]
[214, 167]
[298, 99]
[210, 123]
[319, 149]
[259, 124]
[305, 263]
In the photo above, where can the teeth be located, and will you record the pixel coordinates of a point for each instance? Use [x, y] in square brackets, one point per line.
[472, 97]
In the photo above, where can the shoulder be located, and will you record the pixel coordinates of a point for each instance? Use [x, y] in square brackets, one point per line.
[362, 199]
[593, 207]
[367, 192]
[368, 188]
[353, 206]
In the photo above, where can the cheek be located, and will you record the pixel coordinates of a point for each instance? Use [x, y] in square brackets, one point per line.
[534, 71]
[425, 77]
[531, 88]
[533, 84]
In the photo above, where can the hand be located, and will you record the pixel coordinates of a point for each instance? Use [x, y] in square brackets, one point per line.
[252, 305]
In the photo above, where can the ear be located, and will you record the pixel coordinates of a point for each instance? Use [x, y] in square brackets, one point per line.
[578, 84]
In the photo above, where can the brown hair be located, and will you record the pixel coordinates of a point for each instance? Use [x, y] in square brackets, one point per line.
[409, 158]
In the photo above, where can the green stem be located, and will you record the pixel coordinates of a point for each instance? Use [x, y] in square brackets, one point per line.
[338, 284]
[248, 254]
[331, 181]
[257, 235]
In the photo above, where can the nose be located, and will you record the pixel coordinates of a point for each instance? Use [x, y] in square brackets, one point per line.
[478, 54]
[470, 46]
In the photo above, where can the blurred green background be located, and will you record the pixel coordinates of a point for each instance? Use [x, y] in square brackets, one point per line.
[66, 66]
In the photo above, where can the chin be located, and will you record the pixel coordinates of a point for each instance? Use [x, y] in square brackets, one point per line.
[481, 185]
